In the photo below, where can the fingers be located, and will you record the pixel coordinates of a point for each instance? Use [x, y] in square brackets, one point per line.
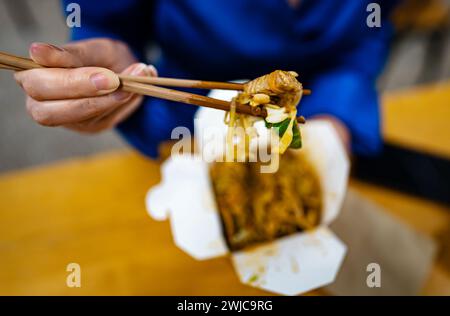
[61, 112]
[140, 69]
[74, 111]
[123, 112]
[98, 124]
[75, 98]
[53, 56]
[58, 83]
[151, 71]
[114, 116]
[104, 52]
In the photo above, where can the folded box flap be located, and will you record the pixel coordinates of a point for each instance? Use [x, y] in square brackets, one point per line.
[178, 173]
[185, 195]
[156, 203]
[292, 265]
[325, 151]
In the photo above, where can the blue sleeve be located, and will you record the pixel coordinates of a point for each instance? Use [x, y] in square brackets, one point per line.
[352, 98]
[153, 123]
[120, 19]
[348, 92]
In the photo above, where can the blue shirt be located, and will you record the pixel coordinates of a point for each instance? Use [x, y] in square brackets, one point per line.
[327, 42]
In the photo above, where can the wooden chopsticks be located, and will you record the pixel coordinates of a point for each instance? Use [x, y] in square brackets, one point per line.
[188, 83]
[8, 67]
[185, 97]
[18, 62]
[149, 86]
[185, 83]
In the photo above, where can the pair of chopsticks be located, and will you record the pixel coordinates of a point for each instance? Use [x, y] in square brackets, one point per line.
[150, 86]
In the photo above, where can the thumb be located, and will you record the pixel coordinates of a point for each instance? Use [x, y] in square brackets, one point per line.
[53, 56]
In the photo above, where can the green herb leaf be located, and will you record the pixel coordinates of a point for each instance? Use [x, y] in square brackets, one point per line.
[253, 278]
[282, 126]
[296, 138]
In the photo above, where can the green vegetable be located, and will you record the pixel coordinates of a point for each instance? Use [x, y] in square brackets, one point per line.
[282, 126]
[253, 278]
[297, 137]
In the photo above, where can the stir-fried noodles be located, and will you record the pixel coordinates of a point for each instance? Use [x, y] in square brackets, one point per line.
[257, 207]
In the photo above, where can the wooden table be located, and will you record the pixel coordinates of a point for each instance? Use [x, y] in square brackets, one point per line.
[91, 211]
[419, 118]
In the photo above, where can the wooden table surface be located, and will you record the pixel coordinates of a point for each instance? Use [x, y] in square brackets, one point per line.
[419, 118]
[91, 211]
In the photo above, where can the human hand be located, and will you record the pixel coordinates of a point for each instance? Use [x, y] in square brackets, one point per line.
[83, 97]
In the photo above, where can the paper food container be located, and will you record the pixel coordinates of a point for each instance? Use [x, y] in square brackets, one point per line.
[289, 265]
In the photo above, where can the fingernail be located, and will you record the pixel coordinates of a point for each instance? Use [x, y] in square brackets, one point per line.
[120, 95]
[139, 70]
[102, 82]
[152, 70]
[34, 48]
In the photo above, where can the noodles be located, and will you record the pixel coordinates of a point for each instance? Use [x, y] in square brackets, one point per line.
[257, 207]
[231, 132]
[278, 94]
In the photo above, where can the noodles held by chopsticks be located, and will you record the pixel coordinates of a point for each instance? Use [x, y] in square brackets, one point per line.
[277, 93]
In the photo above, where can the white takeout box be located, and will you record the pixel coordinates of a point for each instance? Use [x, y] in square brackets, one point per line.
[290, 265]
